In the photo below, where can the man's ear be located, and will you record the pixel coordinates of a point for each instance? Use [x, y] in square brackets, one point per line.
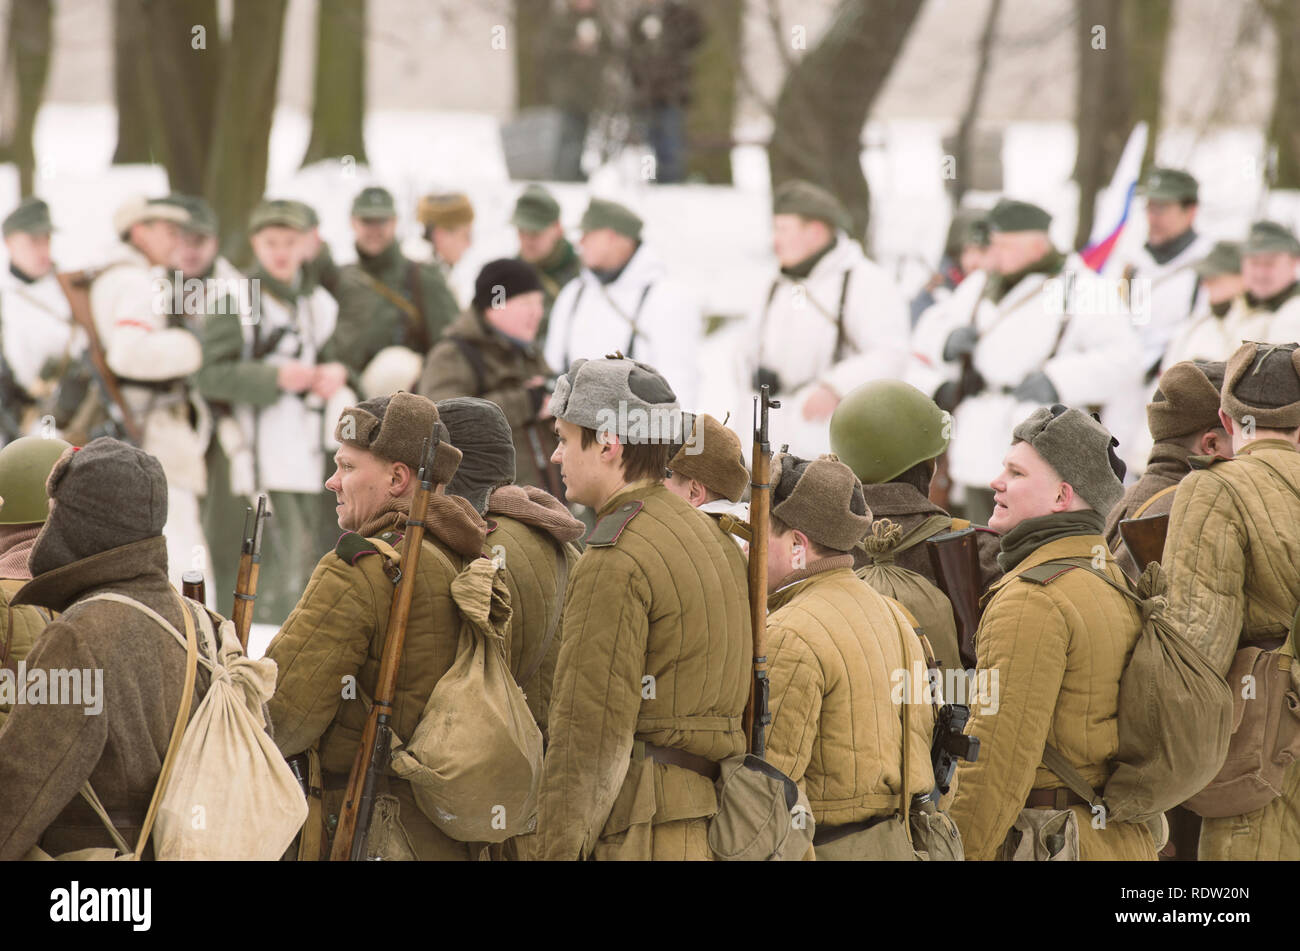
[400, 478]
[1226, 420]
[1065, 497]
[699, 494]
[612, 450]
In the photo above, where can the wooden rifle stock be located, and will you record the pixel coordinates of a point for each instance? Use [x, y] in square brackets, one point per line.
[956, 562]
[250, 565]
[757, 716]
[376, 739]
[193, 586]
[1145, 538]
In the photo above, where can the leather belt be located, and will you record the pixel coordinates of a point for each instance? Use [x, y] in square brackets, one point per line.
[1054, 799]
[825, 835]
[675, 757]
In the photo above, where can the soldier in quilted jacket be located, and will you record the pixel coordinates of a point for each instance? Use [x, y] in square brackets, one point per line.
[653, 670]
[1051, 649]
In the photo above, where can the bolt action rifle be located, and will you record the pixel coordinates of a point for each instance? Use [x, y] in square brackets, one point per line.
[757, 715]
[376, 739]
[250, 564]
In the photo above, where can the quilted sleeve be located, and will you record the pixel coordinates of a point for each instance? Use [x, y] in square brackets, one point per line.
[1023, 638]
[324, 640]
[594, 702]
[795, 700]
[1205, 567]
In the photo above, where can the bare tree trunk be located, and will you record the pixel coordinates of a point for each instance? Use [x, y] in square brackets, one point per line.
[966, 129]
[827, 96]
[712, 112]
[530, 20]
[338, 109]
[1284, 125]
[184, 43]
[139, 131]
[236, 175]
[30, 30]
[1105, 109]
[1147, 34]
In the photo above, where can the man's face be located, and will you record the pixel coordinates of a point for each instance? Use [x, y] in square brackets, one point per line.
[535, 246]
[1027, 488]
[30, 253]
[1267, 273]
[518, 317]
[1222, 287]
[195, 253]
[362, 483]
[1013, 251]
[374, 235]
[1167, 220]
[796, 238]
[583, 471]
[279, 250]
[156, 240]
[452, 243]
[974, 257]
[604, 249]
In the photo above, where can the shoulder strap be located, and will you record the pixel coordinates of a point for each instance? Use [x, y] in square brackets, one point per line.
[931, 525]
[573, 315]
[76, 288]
[838, 353]
[960, 524]
[475, 361]
[416, 287]
[1054, 760]
[1049, 571]
[1159, 495]
[561, 586]
[636, 319]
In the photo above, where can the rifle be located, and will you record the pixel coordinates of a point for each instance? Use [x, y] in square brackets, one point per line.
[373, 752]
[75, 287]
[250, 564]
[757, 716]
[1145, 537]
[193, 586]
[956, 562]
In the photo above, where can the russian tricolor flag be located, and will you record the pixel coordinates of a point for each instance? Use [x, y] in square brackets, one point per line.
[1115, 203]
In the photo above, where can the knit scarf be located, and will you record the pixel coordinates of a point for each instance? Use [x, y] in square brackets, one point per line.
[561, 257]
[1033, 533]
[380, 264]
[278, 289]
[1164, 253]
[15, 550]
[1001, 284]
[532, 506]
[450, 519]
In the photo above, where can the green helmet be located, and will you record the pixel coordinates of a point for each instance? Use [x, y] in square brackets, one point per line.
[882, 429]
[25, 464]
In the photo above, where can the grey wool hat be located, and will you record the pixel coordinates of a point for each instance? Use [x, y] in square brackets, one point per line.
[822, 498]
[1080, 449]
[632, 400]
[104, 495]
[480, 430]
[395, 427]
[1262, 382]
[1186, 400]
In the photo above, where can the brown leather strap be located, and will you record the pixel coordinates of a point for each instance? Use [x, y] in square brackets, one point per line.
[76, 288]
[1054, 799]
[825, 835]
[1159, 495]
[674, 757]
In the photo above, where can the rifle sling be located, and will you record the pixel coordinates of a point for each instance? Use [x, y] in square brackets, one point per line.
[75, 289]
[1159, 495]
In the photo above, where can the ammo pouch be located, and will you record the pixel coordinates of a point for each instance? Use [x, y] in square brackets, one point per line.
[935, 837]
[1265, 734]
[1042, 835]
[763, 816]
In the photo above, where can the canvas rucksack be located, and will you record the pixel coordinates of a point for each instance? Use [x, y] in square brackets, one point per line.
[922, 599]
[224, 791]
[474, 761]
[1175, 711]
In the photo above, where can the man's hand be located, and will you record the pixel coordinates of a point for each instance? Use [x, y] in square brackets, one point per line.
[820, 403]
[960, 343]
[330, 378]
[295, 377]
